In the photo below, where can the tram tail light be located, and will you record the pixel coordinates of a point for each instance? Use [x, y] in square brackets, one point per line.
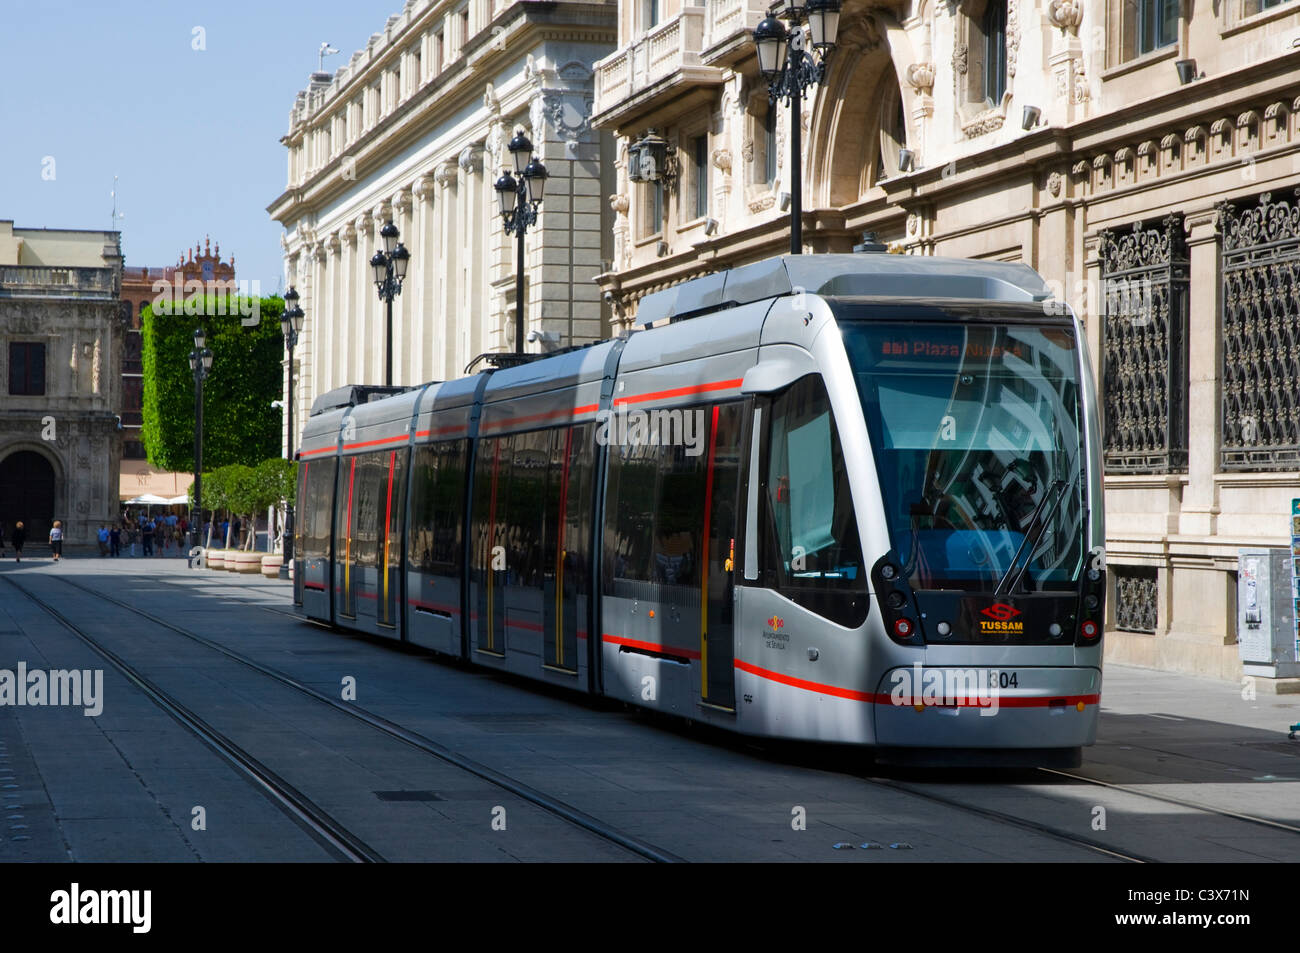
[903, 628]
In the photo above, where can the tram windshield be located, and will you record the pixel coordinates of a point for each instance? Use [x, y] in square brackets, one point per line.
[976, 433]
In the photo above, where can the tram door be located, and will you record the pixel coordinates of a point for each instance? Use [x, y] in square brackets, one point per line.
[566, 535]
[491, 556]
[389, 556]
[725, 451]
[345, 556]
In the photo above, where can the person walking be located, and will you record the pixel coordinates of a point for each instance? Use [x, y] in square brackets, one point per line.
[56, 540]
[102, 536]
[132, 535]
[146, 537]
[19, 537]
[115, 541]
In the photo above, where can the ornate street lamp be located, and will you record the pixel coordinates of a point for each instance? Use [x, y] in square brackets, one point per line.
[390, 271]
[200, 366]
[520, 195]
[789, 70]
[290, 325]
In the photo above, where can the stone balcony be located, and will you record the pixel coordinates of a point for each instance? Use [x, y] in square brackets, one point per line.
[39, 281]
[658, 66]
[727, 28]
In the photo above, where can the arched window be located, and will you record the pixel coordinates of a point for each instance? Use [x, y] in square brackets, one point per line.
[893, 129]
[993, 27]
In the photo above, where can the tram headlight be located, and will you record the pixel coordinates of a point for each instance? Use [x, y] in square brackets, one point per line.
[888, 572]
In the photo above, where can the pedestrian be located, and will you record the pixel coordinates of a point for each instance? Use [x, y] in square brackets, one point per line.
[146, 537]
[115, 541]
[102, 536]
[132, 535]
[18, 538]
[56, 540]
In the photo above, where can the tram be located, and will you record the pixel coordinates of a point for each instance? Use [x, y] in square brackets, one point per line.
[836, 498]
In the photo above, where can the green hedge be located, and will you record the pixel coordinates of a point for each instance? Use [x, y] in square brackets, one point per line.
[239, 423]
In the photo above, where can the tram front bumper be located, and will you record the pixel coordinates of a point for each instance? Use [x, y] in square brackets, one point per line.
[985, 707]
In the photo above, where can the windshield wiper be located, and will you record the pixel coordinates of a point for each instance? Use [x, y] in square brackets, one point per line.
[1037, 525]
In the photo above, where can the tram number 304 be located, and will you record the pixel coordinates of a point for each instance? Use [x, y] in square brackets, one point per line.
[1007, 680]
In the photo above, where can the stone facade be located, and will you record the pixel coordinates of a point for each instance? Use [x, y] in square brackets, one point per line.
[1203, 430]
[61, 338]
[414, 129]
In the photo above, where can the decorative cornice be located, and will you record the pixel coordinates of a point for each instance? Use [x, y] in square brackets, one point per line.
[445, 173]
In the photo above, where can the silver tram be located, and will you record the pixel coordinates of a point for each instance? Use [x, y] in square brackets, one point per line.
[840, 498]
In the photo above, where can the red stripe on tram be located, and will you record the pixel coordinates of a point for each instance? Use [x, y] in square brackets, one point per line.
[679, 392]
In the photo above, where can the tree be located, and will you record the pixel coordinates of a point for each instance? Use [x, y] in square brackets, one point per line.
[239, 423]
[277, 480]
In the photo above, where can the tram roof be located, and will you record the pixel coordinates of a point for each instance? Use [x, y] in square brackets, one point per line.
[874, 274]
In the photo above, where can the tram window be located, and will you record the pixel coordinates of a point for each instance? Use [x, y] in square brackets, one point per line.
[633, 483]
[349, 474]
[811, 551]
[437, 505]
[520, 513]
[679, 516]
[300, 528]
[491, 490]
[391, 507]
[372, 474]
[318, 493]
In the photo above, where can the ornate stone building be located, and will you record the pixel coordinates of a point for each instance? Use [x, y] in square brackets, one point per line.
[139, 288]
[414, 129]
[1141, 154]
[61, 339]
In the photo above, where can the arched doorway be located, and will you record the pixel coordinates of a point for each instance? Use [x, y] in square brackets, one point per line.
[27, 492]
[860, 122]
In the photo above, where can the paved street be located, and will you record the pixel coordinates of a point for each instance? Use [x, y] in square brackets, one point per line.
[1185, 769]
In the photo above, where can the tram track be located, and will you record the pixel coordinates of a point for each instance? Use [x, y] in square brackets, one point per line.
[1037, 827]
[301, 809]
[553, 806]
[1179, 802]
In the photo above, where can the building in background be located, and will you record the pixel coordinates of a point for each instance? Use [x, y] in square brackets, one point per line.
[61, 339]
[140, 287]
[414, 129]
[1141, 155]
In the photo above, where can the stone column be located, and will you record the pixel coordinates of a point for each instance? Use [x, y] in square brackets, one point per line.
[1200, 510]
[425, 253]
[449, 244]
[403, 304]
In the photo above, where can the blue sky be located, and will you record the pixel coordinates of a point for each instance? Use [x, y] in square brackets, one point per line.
[115, 87]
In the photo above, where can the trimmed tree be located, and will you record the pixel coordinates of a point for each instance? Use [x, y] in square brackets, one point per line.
[239, 423]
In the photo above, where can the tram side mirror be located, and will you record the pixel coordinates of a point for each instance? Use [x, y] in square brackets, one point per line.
[773, 374]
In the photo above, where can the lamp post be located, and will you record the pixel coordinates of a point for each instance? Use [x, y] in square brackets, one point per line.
[290, 325]
[200, 365]
[390, 270]
[789, 70]
[519, 198]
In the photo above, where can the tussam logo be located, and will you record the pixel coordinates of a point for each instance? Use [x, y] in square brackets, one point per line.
[1001, 618]
[76, 906]
[775, 622]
